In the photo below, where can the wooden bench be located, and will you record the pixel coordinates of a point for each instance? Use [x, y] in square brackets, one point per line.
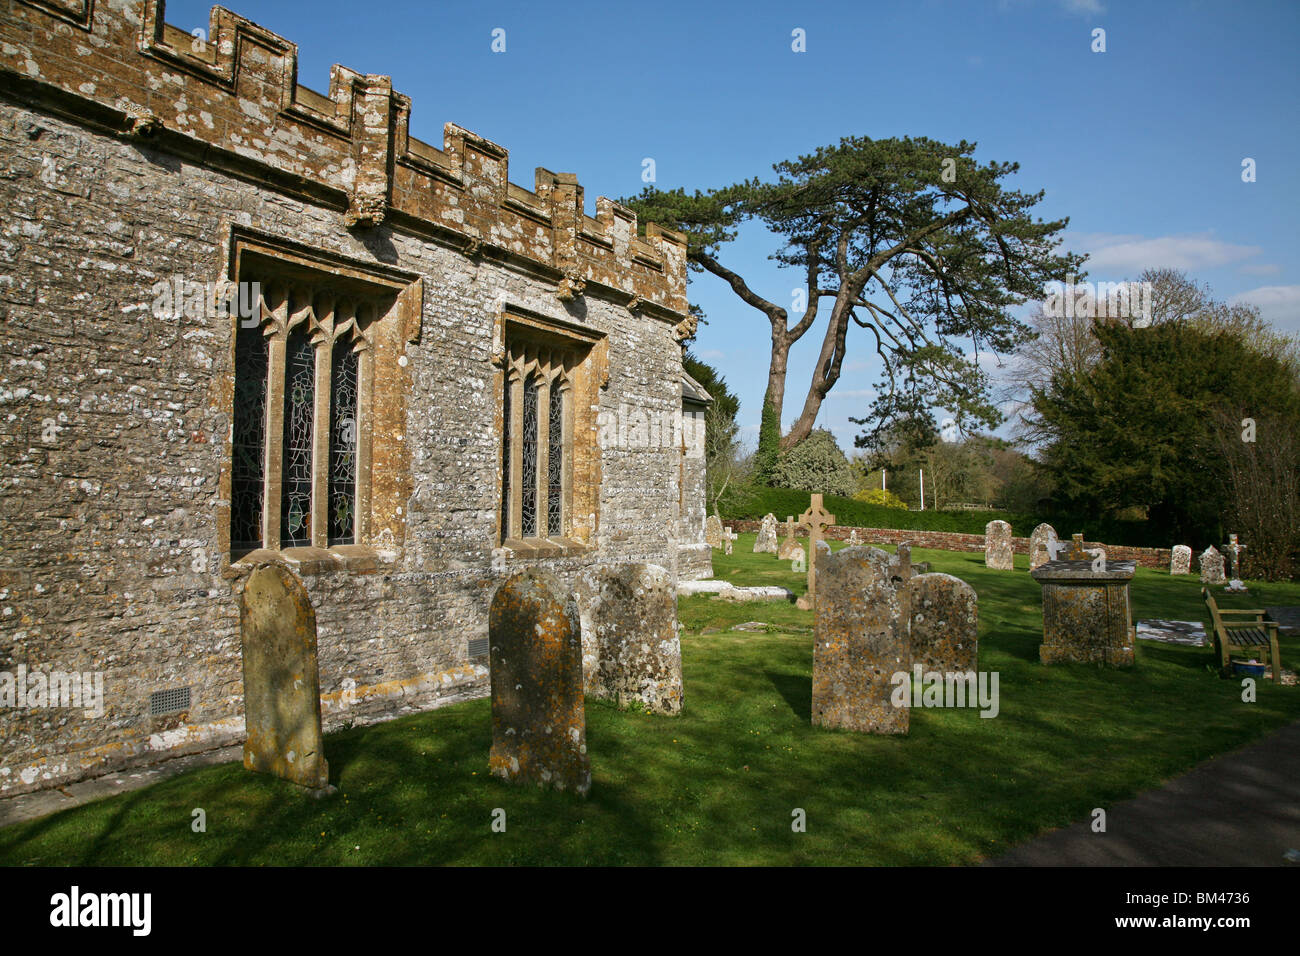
[1257, 636]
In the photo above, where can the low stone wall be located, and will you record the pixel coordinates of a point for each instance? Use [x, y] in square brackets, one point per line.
[956, 541]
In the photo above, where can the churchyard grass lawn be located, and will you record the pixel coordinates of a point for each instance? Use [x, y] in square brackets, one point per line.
[718, 784]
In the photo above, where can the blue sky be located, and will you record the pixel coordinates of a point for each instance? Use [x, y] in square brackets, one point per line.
[1141, 146]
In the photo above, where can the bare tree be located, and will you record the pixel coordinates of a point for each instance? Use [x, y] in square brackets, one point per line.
[1262, 481]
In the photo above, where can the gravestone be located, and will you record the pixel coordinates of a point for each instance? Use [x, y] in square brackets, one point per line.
[799, 565]
[1180, 560]
[713, 531]
[816, 519]
[1233, 553]
[1038, 539]
[631, 653]
[789, 546]
[853, 538]
[728, 538]
[998, 552]
[277, 625]
[860, 642]
[823, 548]
[539, 725]
[766, 542]
[1074, 549]
[944, 623]
[1212, 566]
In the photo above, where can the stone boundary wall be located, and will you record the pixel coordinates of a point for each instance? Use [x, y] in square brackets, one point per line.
[957, 541]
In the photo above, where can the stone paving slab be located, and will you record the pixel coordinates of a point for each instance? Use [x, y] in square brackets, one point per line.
[1237, 809]
[1288, 618]
[1190, 633]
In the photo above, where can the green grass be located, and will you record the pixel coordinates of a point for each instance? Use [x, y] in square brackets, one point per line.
[718, 784]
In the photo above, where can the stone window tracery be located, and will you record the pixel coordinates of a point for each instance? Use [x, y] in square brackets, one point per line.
[301, 426]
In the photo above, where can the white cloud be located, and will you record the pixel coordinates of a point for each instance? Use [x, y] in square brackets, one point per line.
[1263, 269]
[1127, 255]
[1278, 304]
[1083, 6]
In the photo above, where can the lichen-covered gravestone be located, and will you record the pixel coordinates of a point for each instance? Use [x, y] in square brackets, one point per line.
[713, 531]
[944, 630]
[998, 552]
[631, 653]
[281, 679]
[1038, 538]
[767, 542]
[1180, 560]
[539, 722]
[1212, 566]
[860, 642]
[1075, 550]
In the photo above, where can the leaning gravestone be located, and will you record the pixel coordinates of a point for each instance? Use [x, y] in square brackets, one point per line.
[539, 723]
[1038, 539]
[766, 541]
[860, 642]
[944, 623]
[713, 531]
[1212, 566]
[631, 653]
[998, 552]
[281, 679]
[1180, 560]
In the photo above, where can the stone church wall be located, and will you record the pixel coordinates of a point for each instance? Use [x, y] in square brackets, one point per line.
[128, 158]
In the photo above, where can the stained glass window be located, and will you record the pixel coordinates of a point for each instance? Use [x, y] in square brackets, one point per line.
[528, 496]
[555, 462]
[343, 445]
[505, 461]
[299, 414]
[248, 445]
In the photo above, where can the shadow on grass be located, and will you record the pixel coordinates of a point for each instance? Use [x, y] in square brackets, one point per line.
[796, 689]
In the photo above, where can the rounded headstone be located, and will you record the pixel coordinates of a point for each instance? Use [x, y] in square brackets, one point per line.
[539, 726]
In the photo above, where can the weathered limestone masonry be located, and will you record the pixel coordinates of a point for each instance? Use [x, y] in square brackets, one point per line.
[132, 155]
